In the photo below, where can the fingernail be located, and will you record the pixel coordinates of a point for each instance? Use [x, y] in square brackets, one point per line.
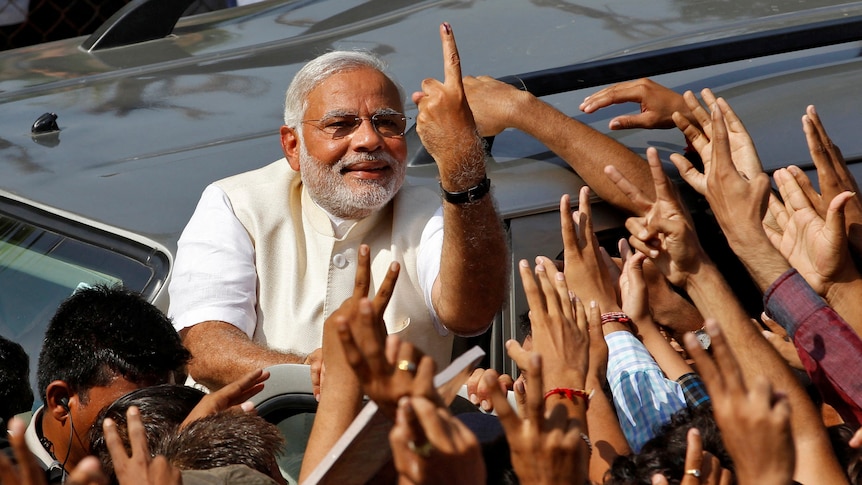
[247, 406]
[519, 387]
[486, 405]
[562, 277]
[447, 27]
[535, 360]
[593, 303]
[712, 328]
[317, 397]
[363, 250]
[474, 399]
[523, 263]
[616, 125]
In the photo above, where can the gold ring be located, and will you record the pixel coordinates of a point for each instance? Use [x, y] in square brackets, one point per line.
[405, 364]
[693, 472]
[422, 450]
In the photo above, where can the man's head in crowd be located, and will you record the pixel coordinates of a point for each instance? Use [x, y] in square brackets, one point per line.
[665, 453]
[15, 393]
[224, 439]
[101, 343]
[162, 409]
[343, 131]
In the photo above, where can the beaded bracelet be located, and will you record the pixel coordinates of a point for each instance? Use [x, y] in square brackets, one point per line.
[615, 317]
[571, 394]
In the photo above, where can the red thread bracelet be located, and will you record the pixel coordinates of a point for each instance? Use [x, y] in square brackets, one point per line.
[571, 394]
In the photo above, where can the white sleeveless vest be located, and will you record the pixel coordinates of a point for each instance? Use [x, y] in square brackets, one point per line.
[304, 273]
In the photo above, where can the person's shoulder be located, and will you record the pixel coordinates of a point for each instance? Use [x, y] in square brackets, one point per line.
[278, 171]
[417, 195]
[230, 474]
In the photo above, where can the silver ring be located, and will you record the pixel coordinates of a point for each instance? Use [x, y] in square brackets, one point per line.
[405, 364]
[693, 472]
[423, 450]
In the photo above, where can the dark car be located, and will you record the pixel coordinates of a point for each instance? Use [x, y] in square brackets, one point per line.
[150, 112]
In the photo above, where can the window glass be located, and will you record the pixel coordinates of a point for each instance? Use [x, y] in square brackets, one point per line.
[40, 267]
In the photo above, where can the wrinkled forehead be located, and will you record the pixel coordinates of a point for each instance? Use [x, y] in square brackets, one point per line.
[362, 91]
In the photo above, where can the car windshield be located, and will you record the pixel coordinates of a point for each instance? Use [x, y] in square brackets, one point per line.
[41, 266]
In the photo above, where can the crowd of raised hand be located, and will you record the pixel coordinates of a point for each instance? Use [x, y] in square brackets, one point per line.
[641, 368]
[625, 381]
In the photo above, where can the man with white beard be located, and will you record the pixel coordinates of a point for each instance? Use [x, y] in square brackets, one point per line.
[269, 254]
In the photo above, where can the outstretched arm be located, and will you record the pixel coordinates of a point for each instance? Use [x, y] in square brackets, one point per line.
[470, 288]
[833, 176]
[739, 203]
[220, 368]
[341, 393]
[497, 106]
[657, 104]
[753, 419]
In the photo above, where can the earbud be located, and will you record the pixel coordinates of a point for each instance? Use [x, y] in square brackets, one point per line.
[64, 401]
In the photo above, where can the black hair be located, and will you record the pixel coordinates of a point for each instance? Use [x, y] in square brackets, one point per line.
[162, 409]
[665, 453]
[16, 396]
[101, 332]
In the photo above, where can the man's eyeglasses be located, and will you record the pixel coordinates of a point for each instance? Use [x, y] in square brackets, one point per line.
[388, 125]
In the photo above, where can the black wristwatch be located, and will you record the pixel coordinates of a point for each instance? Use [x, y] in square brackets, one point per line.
[470, 195]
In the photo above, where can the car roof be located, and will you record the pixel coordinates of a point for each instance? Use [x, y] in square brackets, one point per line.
[145, 127]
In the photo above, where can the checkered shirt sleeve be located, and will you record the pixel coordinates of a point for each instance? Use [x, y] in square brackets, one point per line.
[643, 397]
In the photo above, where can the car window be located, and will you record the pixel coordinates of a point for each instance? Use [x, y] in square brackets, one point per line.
[44, 259]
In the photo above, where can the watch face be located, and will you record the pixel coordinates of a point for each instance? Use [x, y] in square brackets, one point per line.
[703, 338]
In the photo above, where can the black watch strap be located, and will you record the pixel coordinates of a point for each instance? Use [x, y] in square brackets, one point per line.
[470, 195]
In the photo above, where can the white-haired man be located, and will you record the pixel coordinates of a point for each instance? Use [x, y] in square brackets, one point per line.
[269, 254]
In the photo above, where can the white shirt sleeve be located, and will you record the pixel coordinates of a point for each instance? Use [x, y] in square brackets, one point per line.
[214, 276]
[428, 263]
[428, 267]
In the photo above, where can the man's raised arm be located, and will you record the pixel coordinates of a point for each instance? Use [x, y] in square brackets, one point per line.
[470, 287]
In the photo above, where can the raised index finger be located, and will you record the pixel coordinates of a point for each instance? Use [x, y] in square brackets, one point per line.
[451, 58]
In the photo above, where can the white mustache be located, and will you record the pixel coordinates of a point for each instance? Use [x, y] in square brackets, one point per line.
[349, 160]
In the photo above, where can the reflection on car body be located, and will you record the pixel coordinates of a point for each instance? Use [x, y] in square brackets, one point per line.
[145, 127]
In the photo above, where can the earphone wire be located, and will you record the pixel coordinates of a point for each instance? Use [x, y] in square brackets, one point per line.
[69, 448]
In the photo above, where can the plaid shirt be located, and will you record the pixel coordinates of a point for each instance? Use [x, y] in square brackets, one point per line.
[829, 349]
[644, 398]
[693, 389]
